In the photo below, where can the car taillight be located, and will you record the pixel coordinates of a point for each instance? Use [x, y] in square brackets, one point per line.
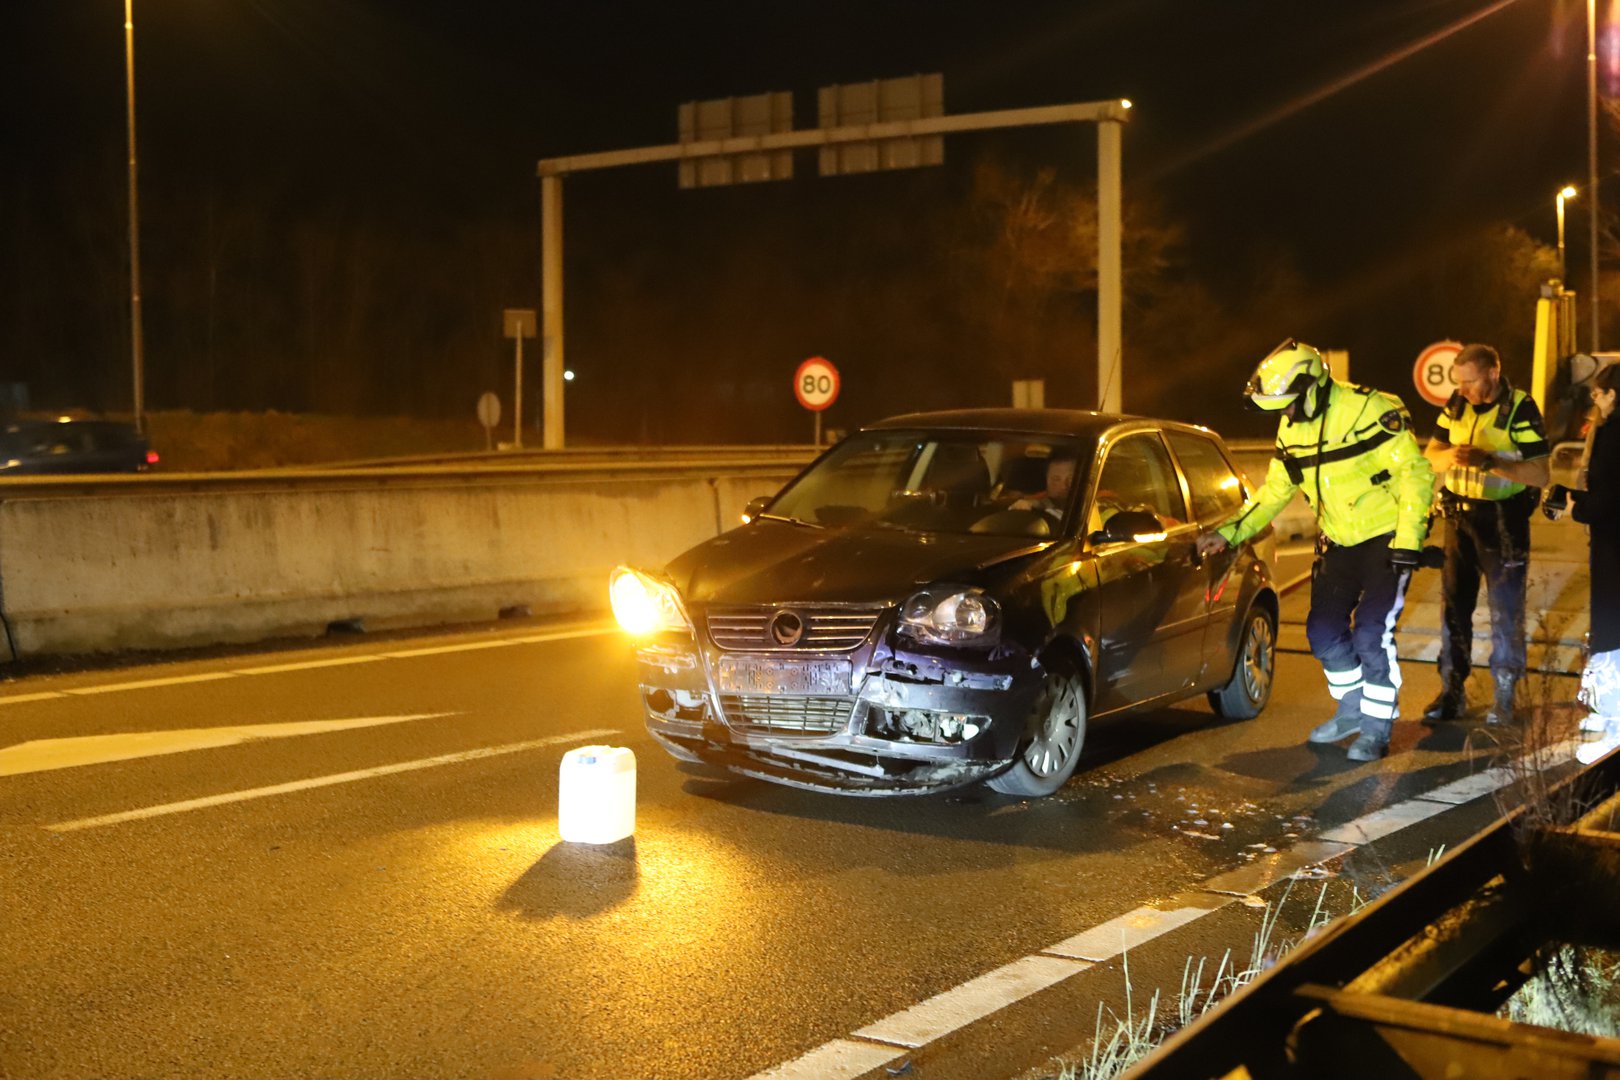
[151, 457]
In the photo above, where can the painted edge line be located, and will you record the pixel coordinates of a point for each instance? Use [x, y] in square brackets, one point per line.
[978, 998]
[595, 630]
[321, 781]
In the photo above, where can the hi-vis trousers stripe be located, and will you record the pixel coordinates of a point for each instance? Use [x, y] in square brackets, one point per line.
[1341, 683]
[1378, 701]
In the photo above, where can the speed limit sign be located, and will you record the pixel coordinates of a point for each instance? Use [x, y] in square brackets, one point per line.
[815, 384]
[1432, 373]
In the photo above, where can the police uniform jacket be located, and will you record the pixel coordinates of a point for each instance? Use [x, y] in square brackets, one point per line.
[1509, 427]
[1359, 467]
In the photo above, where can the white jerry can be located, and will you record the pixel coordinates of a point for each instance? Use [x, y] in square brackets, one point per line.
[596, 795]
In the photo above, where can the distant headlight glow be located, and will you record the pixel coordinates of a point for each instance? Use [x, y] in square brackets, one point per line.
[644, 605]
[951, 615]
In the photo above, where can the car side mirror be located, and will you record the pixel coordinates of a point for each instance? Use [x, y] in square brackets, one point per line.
[1130, 526]
[756, 506]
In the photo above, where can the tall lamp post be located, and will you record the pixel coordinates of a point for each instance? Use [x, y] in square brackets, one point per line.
[137, 354]
[1564, 196]
[1591, 159]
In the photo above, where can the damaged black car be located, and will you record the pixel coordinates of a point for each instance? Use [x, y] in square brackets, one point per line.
[945, 599]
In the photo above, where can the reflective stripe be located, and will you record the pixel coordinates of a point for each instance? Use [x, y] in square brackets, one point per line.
[1379, 693]
[1343, 678]
[1377, 711]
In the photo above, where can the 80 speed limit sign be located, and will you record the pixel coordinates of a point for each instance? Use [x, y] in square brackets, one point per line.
[815, 384]
[1432, 372]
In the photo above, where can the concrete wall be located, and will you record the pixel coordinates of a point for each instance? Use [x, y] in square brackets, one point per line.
[99, 566]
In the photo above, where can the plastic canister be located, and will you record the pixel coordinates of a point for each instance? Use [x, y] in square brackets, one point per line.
[596, 795]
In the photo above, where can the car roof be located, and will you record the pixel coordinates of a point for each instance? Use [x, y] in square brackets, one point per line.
[1075, 422]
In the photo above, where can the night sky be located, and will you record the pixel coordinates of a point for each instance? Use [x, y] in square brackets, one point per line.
[308, 165]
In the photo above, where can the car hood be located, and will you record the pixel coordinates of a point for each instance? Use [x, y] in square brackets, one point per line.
[773, 561]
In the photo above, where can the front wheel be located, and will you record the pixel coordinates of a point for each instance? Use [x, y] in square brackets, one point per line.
[1049, 759]
[1246, 694]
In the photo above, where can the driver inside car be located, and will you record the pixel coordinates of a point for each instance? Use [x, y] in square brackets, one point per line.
[1060, 470]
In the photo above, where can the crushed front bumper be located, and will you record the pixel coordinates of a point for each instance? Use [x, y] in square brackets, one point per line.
[908, 722]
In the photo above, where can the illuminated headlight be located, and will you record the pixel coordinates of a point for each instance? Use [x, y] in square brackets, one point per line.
[952, 616]
[644, 605]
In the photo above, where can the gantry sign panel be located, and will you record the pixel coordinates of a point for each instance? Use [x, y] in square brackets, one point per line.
[915, 97]
[728, 118]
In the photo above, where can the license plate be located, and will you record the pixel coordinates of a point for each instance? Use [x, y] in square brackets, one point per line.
[768, 675]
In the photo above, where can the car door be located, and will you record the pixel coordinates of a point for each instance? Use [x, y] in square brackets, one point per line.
[1150, 587]
[1215, 491]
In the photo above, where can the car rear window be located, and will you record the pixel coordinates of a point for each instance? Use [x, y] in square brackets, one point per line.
[1215, 487]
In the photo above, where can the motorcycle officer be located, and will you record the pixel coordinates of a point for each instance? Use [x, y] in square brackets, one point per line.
[1350, 449]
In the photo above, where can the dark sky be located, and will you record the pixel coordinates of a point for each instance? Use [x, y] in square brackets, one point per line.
[1265, 125]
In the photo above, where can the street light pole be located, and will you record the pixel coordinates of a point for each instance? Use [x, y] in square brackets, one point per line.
[1592, 160]
[137, 352]
[1567, 193]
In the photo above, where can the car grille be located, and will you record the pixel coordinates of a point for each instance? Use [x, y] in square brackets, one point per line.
[804, 715]
[829, 629]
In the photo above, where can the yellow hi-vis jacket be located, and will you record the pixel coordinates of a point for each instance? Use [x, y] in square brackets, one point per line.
[1359, 466]
[1509, 427]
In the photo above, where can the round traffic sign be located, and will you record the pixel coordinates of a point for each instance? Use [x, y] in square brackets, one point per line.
[815, 384]
[489, 410]
[1432, 372]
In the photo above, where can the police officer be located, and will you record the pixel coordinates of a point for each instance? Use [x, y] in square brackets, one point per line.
[1491, 450]
[1351, 451]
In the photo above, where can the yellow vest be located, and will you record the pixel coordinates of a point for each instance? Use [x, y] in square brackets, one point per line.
[1511, 429]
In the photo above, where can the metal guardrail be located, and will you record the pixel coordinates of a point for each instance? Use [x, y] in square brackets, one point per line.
[765, 453]
[1410, 985]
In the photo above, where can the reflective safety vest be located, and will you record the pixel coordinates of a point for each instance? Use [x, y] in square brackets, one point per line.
[1510, 427]
[1359, 467]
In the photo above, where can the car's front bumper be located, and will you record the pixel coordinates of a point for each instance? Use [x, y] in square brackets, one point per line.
[911, 723]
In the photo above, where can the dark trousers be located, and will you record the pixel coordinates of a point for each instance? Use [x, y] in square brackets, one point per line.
[1493, 542]
[1356, 598]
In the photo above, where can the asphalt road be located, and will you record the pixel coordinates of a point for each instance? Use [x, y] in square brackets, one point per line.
[192, 905]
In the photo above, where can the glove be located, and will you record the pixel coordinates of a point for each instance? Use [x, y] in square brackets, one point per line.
[1556, 502]
[1211, 543]
[1405, 558]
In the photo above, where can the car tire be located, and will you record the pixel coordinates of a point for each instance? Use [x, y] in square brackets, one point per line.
[1245, 695]
[1047, 760]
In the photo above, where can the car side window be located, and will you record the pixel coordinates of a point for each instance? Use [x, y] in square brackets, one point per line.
[1215, 487]
[1137, 475]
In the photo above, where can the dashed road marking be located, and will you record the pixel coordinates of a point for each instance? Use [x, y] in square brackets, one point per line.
[324, 781]
[149, 684]
[841, 1059]
[961, 1005]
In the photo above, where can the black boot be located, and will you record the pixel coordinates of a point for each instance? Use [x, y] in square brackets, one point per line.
[1505, 705]
[1451, 704]
[1368, 747]
[1347, 721]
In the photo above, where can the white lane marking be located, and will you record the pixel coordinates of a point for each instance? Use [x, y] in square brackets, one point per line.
[43, 755]
[306, 665]
[324, 781]
[973, 1000]
[18, 699]
[596, 630]
[1470, 787]
[1381, 823]
[532, 639]
[1127, 932]
[147, 684]
[1145, 923]
[841, 1059]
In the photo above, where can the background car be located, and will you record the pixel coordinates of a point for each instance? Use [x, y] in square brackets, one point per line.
[948, 598]
[72, 446]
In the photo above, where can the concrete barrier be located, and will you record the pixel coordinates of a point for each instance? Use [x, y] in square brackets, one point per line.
[153, 562]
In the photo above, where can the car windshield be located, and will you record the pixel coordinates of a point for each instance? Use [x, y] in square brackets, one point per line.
[949, 482]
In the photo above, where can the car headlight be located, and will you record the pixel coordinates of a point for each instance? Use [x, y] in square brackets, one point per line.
[952, 616]
[645, 605]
